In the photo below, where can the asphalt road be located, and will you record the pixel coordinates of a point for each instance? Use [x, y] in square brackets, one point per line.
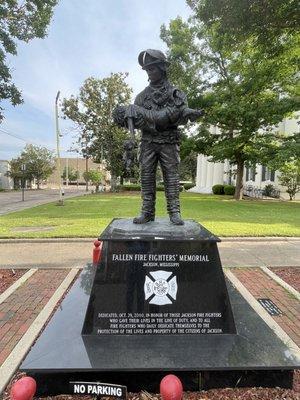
[12, 201]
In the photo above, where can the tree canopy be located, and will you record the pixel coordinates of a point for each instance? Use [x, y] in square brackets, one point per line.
[39, 164]
[243, 92]
[91, 111]
[269, 23]
[19, 21]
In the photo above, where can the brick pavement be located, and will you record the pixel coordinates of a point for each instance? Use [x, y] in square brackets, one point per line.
[21, 308]
[261, 285]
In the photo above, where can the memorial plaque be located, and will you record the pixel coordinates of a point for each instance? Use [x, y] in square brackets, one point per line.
[270, 307]
[159, 287]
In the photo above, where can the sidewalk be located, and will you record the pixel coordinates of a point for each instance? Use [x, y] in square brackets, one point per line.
[23, 313]
[70, 253]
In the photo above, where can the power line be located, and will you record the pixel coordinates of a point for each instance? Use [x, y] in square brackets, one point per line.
[3, 132]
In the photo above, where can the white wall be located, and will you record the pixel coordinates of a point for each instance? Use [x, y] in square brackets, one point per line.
[209, 174]
[5, 182]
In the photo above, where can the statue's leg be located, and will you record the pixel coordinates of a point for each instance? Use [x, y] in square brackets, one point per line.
[169, 161]
[148, 162]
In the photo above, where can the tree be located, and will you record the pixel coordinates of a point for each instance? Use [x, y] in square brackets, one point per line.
[268, 23]
[19, 21]
[39, 161]
[39, 164]
[15, 172]
[290, 177]
[91, 111]
[188, 156]
[95, 177]
[72, 174]
[242, 91]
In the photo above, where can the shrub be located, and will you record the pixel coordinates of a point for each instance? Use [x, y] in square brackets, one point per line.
[229, 190]
[218, 189]
[132, 187]
[269, 190]
[137, 188]
[188, 186]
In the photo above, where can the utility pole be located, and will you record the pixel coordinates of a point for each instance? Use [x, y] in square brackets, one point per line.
[60, 201]
[23, 168]
[86, 163]
[67, 171]
[77, 171]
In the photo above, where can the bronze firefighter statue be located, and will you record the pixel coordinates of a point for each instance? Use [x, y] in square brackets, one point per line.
[157, 111]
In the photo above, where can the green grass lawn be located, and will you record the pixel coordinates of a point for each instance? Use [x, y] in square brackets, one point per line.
[87, 216]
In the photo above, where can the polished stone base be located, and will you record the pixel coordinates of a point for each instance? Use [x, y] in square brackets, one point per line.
[61, 350]
[158, 279]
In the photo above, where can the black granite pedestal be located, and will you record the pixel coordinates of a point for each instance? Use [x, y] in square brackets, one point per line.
[156, 303]
[158, 279]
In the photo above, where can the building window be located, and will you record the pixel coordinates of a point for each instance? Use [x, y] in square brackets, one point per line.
[267, 174]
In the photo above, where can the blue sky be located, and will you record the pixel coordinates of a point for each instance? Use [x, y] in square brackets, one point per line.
[85, 38]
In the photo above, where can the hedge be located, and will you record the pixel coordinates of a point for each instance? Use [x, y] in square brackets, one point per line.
[218, 189]
[229, 190]
[137, 188]
[188, 186]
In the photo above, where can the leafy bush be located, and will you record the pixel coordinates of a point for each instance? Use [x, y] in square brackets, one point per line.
[269, 190]
[188, 186]
[290, 177]
[137, 188]
[218, 189]
[132, 187]
[229, 190]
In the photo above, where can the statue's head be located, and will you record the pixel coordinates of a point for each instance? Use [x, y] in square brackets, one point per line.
[155, 63]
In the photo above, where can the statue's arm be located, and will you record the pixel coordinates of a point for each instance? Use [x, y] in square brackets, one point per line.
[177, 114]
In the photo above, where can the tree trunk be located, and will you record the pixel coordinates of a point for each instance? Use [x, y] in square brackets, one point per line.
[113, 183]
[238, 195]
[121, 180]
[87, 172]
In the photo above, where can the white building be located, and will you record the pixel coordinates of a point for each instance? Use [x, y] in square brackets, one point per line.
[5, 181]
[210, 174]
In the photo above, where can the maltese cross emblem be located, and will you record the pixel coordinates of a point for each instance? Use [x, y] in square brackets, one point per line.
[160, 288]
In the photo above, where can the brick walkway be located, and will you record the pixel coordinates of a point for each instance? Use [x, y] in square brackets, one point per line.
[261, 285]
[21, 308]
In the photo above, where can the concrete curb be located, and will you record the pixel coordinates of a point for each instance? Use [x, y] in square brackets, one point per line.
[281, 282]
[223, 239]
[294, 349]
[12, 362]
[16, 285]
[261, 239]
[49, 240]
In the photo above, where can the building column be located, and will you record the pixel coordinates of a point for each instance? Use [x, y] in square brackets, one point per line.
[198, 174]
[209, 175]
[258, 176]
[218, 175]
[203, 171]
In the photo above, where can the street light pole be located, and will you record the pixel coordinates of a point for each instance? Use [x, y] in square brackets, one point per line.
[60, 201]
[23, 168]
[86, 164]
